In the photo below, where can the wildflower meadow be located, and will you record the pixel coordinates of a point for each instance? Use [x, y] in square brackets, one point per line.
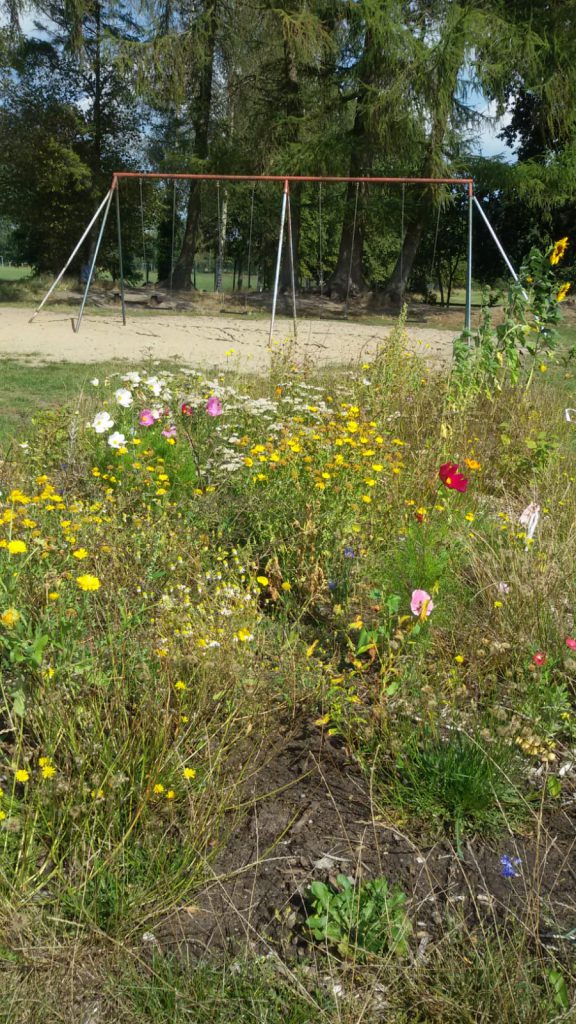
[288, 668]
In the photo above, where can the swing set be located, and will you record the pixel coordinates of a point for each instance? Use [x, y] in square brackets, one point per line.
[103, 211]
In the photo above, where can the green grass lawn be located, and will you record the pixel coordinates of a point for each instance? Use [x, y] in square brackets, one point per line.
[8, 273]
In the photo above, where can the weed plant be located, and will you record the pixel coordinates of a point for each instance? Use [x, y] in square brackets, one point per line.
[190, 563]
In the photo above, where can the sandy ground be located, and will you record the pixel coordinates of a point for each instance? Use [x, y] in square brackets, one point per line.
[202, 340]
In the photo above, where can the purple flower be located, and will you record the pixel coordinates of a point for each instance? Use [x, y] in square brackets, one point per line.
[332, 584]
[169, 431]
[214, 406]
[349, 552]
[509, 865]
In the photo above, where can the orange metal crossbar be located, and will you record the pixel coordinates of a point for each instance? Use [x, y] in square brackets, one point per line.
[469, 182]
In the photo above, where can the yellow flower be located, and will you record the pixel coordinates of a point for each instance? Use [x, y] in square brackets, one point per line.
[170, 794]
[563, 292]
[470, 517]
[80, 553]
[352, 426]
[244, 635]
[22, 775]
[48, 771]
[180, 685]
[2, 815]
[9, 618]
[16, 547]
[262, 580]
[42, 761]
[286, 585]
[53, 595]
[558, 251]
[158, 788]
[184, 719]
[459, 659]
[543, 368]
[88, 582]
[248, 461]
[189, 773]
[497, 604]
[366, 498]
[471, 464]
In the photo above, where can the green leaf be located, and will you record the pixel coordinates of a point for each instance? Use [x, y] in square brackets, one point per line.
[560, 990]
[19, 703]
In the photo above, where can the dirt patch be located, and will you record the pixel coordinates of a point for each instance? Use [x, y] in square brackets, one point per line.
[310, 816]
[202, 340]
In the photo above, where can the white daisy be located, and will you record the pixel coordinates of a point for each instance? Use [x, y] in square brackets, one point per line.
[102, 422]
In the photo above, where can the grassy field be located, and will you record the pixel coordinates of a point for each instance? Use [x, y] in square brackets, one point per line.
[288, 682]
[9, 273]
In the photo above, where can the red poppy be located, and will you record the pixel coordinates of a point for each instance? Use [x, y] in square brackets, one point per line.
[186, 409]
[540, 658]
[571, 643]
[451, 478]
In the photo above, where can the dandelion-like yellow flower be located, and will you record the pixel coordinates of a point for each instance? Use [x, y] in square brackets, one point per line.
[158, 788]
[563, 291]
[80, 553]
[16, 547]
[170, 794]
[262, 580]
[2, 815]
[88, 582]
[180, 685]
[10, 617]
[22, 775]
[558, 251]
[53, 595]
[189, 773]
[48, 771]
[472, 464]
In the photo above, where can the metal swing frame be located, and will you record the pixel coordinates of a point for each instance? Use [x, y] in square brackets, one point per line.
[285, 219]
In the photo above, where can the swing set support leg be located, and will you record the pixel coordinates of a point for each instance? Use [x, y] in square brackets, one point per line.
[87, 231]
[95, 257]
[278, 261]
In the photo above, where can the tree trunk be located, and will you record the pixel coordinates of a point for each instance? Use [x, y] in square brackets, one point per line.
[347, 277]
[181, 277]
[398, 280]
[221, 242]
[184, 266]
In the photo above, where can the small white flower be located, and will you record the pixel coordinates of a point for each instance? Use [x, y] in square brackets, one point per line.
[116, 440]
[95, 382]
[132, 378]
[102, 422]
[124, 397]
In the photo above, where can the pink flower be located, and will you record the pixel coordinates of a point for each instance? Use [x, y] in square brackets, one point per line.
[540, 658]
[214, 406]
[146, 418]
[421, 604]
[571, 643]
[169, 431]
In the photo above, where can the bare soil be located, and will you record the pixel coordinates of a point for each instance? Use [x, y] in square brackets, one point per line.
[310, 816]
[202, 332]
